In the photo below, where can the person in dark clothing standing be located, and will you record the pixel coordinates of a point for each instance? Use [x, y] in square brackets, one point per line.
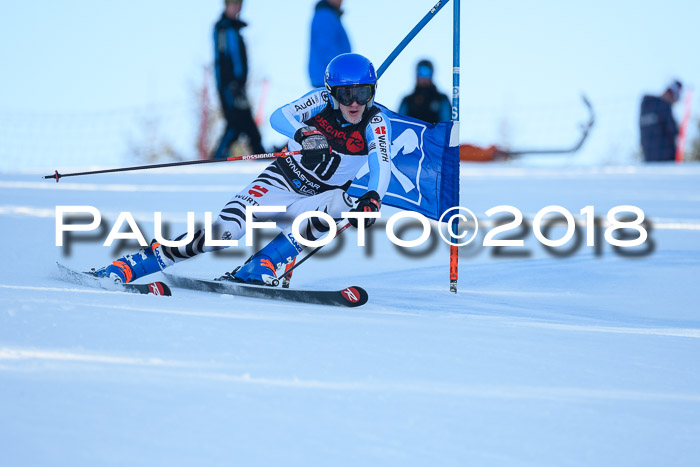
[426, 102]
[231, 63]
[657, 126]
[328, 39]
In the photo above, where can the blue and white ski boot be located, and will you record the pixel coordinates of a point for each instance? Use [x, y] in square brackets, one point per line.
[261, 268]
[128, 268]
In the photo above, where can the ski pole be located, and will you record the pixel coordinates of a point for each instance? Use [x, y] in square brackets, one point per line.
[248, 157]
[288, 272]
[286, 280]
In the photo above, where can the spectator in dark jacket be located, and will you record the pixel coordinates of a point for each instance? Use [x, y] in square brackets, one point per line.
[426, 103]
[657, 126]
[231, 63]
[328, 39]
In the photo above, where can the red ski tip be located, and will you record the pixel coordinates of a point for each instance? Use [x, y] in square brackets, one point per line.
[159, 288]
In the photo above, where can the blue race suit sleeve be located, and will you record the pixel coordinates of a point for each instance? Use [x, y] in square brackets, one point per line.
[378, 135]
[289, 118]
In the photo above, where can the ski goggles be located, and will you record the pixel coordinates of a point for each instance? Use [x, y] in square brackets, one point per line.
[361, 94]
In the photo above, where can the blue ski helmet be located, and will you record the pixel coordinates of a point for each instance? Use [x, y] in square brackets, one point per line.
[350, 70]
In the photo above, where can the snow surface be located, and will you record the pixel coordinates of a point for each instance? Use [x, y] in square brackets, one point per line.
[538, 361]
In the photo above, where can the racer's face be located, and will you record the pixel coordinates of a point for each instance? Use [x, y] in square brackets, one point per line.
[353, 112]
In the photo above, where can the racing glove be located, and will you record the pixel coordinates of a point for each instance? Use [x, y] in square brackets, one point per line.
[369, 202]
[314, 146]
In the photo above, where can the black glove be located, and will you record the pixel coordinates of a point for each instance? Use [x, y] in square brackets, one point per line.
[314, 146]
[369, 202]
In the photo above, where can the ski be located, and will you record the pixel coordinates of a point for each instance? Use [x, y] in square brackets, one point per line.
[83, 278]
[349, 297]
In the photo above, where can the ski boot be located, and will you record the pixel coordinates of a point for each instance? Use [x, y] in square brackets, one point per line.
[261, 268]
[128, 268]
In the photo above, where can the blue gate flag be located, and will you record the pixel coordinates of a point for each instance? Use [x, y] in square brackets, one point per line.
[425, 166]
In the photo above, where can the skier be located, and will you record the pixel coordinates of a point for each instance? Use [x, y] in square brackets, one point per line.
[338, 130]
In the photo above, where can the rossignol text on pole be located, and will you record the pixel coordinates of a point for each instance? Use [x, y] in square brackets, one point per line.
[249, 157]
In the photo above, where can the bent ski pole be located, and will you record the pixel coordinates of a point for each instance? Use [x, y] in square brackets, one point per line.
[288, 272]
[249, 157]
[585, 131]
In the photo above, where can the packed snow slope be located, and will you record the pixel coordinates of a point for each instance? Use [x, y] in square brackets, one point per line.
[579, 357]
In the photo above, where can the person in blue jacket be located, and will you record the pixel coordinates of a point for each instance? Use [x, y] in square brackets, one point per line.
[657, 126]
[231, 65]
[328, 39]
